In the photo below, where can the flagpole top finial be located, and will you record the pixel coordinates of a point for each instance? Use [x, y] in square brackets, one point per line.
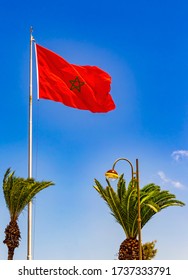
[31, 34]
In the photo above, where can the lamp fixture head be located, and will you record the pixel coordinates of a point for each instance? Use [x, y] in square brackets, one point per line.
[112, 174]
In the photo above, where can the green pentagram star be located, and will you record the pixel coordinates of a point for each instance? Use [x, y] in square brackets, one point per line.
[76, 84]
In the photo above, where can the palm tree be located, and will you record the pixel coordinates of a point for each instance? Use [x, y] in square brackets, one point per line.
[124, 204]
[18, 192]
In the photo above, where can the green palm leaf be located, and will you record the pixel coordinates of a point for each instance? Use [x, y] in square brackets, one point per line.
[18, 192]
[123, 203]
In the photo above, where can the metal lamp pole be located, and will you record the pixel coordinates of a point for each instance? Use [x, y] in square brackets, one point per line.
[112, 174]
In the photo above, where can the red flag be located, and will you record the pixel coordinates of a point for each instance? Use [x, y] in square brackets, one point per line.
[81, 87]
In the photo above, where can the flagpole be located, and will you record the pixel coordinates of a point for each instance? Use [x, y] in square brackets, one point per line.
[29, 234]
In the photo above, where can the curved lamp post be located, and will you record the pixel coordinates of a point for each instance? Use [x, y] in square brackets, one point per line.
[112, 174]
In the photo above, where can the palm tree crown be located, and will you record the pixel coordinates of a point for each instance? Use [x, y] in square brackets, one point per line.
[18, 192]
[124, 203]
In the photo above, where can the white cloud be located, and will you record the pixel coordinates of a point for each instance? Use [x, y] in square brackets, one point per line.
[166, 180]
[179, 154]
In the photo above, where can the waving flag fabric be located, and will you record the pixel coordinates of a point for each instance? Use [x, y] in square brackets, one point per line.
[81, 87]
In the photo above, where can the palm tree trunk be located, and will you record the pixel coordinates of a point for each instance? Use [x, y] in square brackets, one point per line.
[12, 238]
[10, 253]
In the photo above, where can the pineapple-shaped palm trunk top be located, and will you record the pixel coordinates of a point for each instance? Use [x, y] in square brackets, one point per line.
[12, 238]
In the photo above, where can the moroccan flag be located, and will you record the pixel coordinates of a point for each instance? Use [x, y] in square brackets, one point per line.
[81, 87]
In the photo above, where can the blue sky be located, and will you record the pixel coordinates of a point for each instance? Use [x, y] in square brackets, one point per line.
[143, 45]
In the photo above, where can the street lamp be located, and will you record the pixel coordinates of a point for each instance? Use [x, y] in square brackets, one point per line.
[112, 174]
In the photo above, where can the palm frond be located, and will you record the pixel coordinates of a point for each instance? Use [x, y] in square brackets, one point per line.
[124, 203]
[18, 192]
[121, 188]
[7, 185]
[113, 202]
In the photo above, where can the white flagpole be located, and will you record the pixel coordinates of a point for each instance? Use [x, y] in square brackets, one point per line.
[29, 236]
